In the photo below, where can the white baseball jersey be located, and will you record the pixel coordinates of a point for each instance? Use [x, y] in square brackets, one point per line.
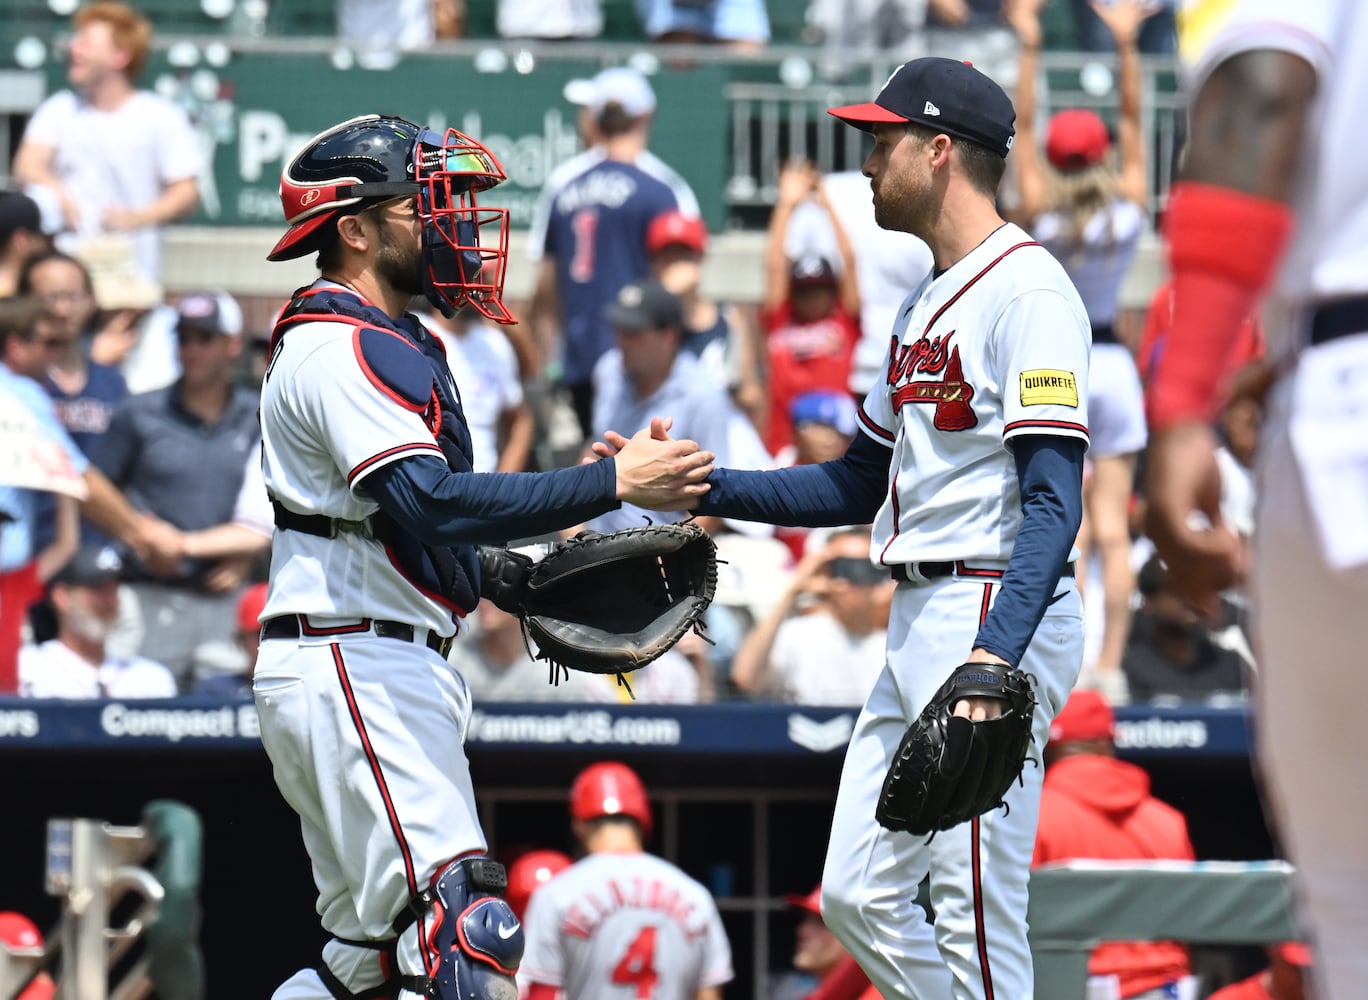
[977, 357]
[328, 422]
[1328, 255]
[625, 927]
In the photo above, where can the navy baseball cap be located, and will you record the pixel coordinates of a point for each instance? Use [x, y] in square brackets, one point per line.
[942, 94]
[645, 305]
[91, 566]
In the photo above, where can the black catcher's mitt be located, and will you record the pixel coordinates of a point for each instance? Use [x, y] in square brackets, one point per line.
[948, 770]
[607, 604]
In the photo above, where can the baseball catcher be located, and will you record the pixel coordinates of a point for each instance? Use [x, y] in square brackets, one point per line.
[947, 770]
[606, 603]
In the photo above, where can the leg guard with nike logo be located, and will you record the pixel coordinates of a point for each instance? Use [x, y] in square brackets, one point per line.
[472, 941]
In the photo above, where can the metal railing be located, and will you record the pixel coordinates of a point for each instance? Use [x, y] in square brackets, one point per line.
[101, 874]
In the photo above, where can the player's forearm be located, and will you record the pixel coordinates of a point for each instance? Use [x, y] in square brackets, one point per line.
[1050, 473]
[441, 507]
[848, 490]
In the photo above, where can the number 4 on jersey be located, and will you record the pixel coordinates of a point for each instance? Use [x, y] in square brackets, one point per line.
[637, 965]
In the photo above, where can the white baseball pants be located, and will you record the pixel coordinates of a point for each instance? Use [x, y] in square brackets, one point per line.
[977, 949]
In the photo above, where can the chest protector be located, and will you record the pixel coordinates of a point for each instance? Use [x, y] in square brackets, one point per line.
[446, 574]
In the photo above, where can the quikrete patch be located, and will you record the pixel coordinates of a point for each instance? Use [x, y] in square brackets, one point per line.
[1042, 386]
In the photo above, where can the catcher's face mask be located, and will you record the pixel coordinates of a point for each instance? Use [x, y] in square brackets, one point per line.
[465, 247]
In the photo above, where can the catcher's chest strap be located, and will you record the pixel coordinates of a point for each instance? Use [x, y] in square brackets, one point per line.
[320, 525]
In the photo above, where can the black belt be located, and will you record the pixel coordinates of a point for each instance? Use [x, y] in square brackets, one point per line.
[902, 572]
[1339, 319]
[290, 627]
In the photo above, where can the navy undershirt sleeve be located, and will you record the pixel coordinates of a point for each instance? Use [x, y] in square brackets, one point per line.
[1050, 475]
[846, 490]
[441, 507]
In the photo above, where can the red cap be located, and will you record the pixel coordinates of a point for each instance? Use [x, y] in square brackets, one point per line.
[673, 228]
[1294, 953]
[529, 873]
[18, 931]
[1076, 139]
[249, 608]
[610, 788]
[1085, 716]
[811, 903]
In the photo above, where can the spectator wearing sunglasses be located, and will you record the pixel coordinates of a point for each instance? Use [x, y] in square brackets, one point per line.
[180, 454]
[822, 643]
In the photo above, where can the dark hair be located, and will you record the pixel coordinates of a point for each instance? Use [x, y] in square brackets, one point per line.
[982, 166]
[19, 314]
[614, 120]
[25, 286]
[330, 243]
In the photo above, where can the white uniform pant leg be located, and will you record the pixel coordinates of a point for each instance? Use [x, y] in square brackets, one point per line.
[366, 740]
[979, 871]
[1312, 689]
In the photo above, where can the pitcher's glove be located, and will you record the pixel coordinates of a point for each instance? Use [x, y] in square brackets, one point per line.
[607, 604]
[948, 770]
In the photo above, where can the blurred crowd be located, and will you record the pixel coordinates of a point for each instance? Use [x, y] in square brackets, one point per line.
[132, 558]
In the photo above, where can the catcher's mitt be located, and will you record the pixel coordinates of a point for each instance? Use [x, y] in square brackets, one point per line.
[948, 770]
[607, 604]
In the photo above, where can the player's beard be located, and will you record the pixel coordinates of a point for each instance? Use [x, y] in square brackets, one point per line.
[903, 202]
[400, 265]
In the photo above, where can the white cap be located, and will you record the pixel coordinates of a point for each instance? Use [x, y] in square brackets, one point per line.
[619, 85]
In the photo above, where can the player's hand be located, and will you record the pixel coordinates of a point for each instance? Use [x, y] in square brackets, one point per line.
[1183, 515]
[1124, 17]
[980, 709]
[656, 471]
[613, 442]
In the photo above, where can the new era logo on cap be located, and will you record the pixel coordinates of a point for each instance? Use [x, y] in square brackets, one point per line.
[931, 109]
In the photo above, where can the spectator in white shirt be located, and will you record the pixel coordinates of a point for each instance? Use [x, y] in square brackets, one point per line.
[76, 664]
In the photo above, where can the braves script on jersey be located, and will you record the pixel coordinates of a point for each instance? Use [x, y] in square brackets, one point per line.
[625, 926]
[972, 364]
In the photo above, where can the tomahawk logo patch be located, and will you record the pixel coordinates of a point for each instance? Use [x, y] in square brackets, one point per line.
[1048, 386]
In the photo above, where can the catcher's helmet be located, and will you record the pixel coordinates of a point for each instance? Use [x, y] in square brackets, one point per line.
[374, 158]
[529, 873]
[610, 788]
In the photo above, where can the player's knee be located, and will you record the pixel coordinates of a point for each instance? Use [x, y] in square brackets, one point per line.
[840, 906]
[473, 942]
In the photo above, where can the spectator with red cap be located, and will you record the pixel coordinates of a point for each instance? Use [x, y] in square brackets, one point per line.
[811, 310]
[18, 933]
[1097, 807]
[819, 954]
[1284, 979]
[718, 334]
[1090, 213]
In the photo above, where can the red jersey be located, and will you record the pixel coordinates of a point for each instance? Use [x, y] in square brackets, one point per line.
[1095, 807]
[804, 357]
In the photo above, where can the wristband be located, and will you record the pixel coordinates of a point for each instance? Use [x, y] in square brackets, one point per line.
[1224, 247]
